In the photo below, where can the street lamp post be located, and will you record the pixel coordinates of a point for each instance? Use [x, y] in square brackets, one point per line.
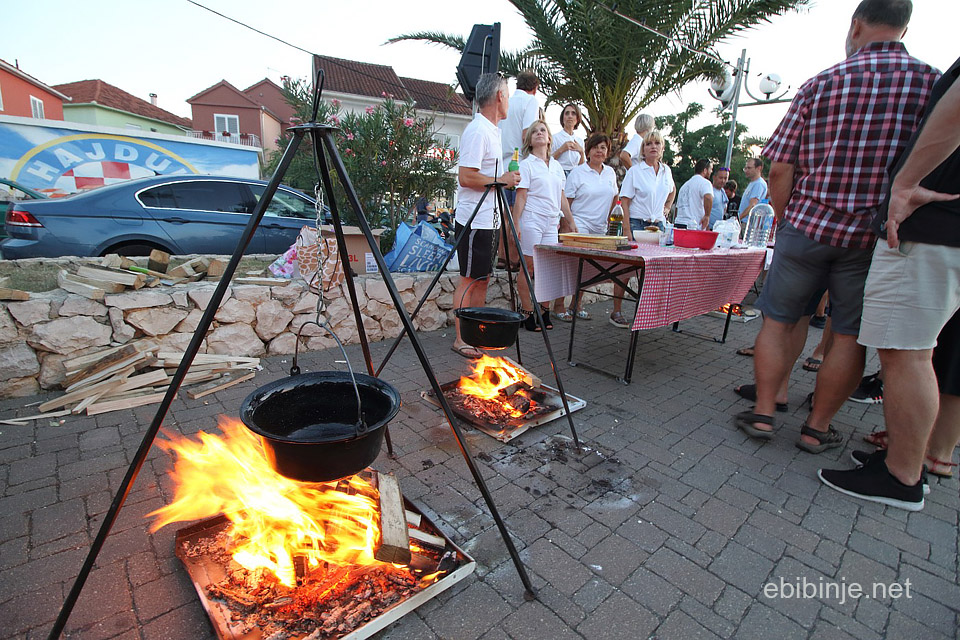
[727, 91]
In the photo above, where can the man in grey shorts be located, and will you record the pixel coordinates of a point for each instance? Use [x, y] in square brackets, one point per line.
[830, 156]
[913, 290]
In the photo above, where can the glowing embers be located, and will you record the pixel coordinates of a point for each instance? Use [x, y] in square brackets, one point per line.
[503, 399]
[299, 559]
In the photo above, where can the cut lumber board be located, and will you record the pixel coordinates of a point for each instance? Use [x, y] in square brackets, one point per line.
[189, 268]
[7, 293]
[83, 380]
[80, 288]
[426, 538]
[80, 394]
[132, 393]
[89, 400]
[39, 416]
[108, 287]
[127, 278]
[158, 261]
[99, 365]
[75, 364]
[150, 379]
[530, 378]
[394, 541]
[213, 387]
[205, 358]
[196, 377]
[270, 282]
[124, 403]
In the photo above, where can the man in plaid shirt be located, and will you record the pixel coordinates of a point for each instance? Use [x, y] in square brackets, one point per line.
[830, 155]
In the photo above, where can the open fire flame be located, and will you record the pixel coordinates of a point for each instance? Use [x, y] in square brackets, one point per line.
[274, 518]
[490, 376]
[737, 309]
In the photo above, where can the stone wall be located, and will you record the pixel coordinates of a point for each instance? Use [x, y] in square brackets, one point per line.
[37, 335]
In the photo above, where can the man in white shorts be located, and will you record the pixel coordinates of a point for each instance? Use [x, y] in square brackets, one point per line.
[912, 291]
[480, 155]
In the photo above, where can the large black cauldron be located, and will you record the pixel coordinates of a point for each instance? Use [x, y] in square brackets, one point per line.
[489, 327]
[308, 423]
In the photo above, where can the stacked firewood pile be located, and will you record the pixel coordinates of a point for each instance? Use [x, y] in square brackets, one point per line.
[138, 374]
[117, 273]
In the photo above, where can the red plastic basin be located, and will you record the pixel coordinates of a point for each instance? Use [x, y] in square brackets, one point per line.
[693, 239]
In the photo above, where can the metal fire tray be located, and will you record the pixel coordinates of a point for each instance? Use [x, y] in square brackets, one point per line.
[204, 572]
[514, 426]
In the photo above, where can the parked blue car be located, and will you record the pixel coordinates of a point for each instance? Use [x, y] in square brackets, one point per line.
[179, 214]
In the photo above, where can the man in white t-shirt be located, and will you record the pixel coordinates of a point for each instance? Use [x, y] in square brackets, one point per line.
[695, 198]
[720, 199]
[756, 190]
[479, 157]
[523, 111]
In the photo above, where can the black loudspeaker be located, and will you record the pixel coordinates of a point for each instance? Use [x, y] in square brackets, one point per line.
[481, 55]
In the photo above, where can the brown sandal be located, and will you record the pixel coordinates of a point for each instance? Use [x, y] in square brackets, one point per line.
[746, 419]
[940, 468]
[877, 439]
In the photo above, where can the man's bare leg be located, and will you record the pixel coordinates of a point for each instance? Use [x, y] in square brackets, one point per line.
[471, 296]
[946, 429]
[838, 376]
[773, 357]
[910, 406]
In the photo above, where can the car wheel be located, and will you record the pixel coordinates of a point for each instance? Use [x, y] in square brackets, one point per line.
[133, 249]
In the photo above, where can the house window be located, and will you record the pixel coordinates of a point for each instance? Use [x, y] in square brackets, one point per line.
[36, 107]
[226, 123]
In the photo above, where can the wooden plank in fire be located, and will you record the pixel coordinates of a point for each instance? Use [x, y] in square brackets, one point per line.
[394, 540]
[528, 377]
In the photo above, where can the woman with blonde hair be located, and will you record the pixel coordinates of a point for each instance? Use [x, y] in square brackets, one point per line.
[646, 196]
[539, 209]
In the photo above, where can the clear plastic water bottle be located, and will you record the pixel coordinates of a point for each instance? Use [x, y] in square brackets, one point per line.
[759, 223]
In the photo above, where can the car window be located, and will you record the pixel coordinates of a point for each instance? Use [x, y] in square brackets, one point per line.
[286, 204]
[159, 197]
[230, 197]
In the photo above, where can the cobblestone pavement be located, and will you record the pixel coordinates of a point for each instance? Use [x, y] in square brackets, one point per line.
[669, 524]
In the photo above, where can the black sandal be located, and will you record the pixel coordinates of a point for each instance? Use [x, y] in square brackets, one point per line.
[546, 318]
[749, 392]
[831, 439]
[746, 419]
[530, 322]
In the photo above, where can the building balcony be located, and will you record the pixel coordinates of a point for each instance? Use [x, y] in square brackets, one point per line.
[246, 139]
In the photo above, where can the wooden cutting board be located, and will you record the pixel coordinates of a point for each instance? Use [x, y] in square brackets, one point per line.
[590, 241]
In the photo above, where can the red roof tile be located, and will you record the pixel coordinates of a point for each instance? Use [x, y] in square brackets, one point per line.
[100, 92]
[374, 80]
[436, 96]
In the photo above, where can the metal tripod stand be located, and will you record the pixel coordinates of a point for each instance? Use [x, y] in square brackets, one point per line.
[509, 231]
[322, 139]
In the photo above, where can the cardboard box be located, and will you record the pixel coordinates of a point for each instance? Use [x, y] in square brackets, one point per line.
[361, 258]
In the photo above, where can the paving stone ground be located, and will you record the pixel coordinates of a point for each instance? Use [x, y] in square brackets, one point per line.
[669, 523]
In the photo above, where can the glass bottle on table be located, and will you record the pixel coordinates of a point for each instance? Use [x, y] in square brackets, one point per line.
[615, 220]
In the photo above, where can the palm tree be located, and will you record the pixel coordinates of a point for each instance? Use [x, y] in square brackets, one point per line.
[613, 67]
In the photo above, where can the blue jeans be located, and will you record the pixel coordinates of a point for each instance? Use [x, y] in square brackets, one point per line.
[641, 225]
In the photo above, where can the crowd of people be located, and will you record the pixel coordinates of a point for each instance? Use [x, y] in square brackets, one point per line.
[868, 149]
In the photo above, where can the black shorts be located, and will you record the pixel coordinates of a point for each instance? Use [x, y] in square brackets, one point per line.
[946, 357]
[477, 252]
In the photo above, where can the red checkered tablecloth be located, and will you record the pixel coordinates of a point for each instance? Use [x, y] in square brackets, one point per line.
[678, 283]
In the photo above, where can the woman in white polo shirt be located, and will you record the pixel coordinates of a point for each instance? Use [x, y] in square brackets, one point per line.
[566, 147]
[539, 209]
[591, 191]
[646, 194]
